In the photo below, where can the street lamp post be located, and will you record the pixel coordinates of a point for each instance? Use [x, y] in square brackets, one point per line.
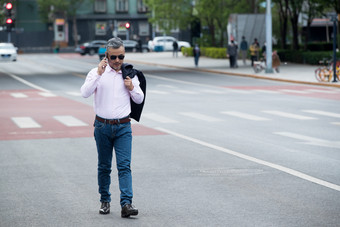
[269, 68]
[334, 19]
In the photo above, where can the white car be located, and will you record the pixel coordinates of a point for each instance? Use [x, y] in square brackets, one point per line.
[166, 43]
[8, 52]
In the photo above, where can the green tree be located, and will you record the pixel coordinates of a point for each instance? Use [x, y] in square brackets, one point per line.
[50, 9]
[170, 14]
[294, 10]
[313, 9]
[213, 14]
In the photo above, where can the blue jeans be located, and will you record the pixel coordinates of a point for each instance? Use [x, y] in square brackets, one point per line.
[119, 137]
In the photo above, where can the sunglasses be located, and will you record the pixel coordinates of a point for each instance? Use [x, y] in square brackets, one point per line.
[120, 57]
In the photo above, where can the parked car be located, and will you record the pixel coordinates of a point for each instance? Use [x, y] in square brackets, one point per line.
[165, 43]
[90, 48]
[130, 46]
[8, 52]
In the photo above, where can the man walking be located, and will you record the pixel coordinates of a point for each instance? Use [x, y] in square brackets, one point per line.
[116, 89]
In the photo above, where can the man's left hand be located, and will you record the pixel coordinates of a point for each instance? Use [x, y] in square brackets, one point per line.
[128, 83]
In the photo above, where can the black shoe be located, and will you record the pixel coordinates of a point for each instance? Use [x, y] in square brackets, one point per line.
[128, 210]
[104, 208]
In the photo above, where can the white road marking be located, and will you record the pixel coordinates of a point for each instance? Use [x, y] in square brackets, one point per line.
[27, 83]
[245, 116]
[47, 94]
[310, 140]
[238, 91]
[256, 160]
[158, 92]
[335, 123]
[293, 91]
[288, 115]
[25, 122]
[158, 118]
[322, 91]
[19, 95]
[70, 121]
[74, 93]
[266, 91]
[217, 92]
[187, 92]
[200, 117]
[324, 113]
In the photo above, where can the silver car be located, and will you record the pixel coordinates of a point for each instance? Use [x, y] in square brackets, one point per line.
[166, 43]
[8, 52]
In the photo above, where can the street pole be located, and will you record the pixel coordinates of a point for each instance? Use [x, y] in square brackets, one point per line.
[269, 68]
[8, 36]
[334, 19]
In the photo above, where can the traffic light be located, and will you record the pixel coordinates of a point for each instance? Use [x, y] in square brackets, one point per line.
[8, 13]
[127, 25]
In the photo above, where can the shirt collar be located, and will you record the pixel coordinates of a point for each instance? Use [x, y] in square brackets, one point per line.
[109, 69]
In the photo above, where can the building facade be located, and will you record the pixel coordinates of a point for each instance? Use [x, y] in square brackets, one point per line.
[95, 20]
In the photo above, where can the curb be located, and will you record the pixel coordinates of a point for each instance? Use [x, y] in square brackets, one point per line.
[239, 74]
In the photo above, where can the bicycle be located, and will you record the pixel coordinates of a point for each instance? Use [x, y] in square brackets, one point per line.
[325, 73]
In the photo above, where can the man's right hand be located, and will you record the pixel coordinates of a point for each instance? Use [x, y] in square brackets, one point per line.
[101, 67]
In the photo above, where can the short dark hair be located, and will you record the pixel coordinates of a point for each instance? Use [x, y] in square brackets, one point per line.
[114, 43]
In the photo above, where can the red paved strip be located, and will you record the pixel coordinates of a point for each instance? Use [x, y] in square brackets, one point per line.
[42, 109]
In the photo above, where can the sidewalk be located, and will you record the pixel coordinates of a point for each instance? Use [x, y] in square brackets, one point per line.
[293, 73]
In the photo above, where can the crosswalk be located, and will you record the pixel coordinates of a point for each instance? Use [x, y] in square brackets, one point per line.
[262, 115]
[321, 92]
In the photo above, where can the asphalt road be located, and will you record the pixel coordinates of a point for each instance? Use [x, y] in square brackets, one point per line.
[210, 150]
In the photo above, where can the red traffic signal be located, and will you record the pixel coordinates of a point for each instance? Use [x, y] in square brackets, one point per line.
[127, 25]
[9, 21]
[9, 6]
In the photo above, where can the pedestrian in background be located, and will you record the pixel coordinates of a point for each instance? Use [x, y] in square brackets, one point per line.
[232, 54]
[244, 49]
[140, 44]
[263, 50]
[175, 49]
[197, 54]
[116, 88]
[276, 62]
[254, 51]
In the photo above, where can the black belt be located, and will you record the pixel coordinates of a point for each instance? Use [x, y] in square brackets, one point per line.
[113, 121]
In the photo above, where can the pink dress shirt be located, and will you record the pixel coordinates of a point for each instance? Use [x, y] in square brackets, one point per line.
[111, 97]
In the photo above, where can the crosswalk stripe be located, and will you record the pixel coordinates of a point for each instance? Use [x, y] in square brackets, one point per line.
[70, 121]
[245, 116]
[336, 123]
[323, 91]
[200, 117]
[186, 92]
[266, 91]
[25, 122]
[293, 91]
[238, 91]
[324, 113]
[158, 92]
[47, 94]
[158, 118]
[310, 140]
[288, 115]
[19, 95]
[212, 91]
[73, 93]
